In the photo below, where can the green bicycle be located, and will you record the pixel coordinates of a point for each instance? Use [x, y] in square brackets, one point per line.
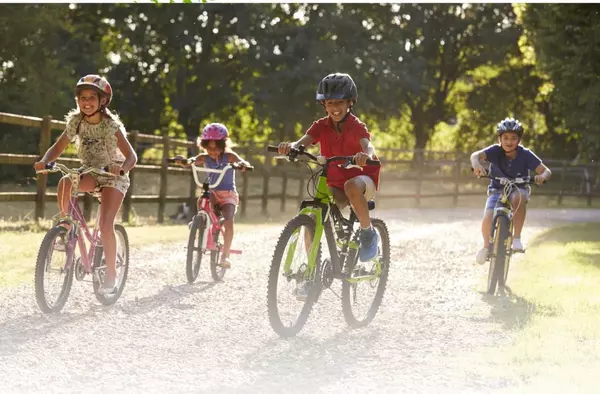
[298, 274]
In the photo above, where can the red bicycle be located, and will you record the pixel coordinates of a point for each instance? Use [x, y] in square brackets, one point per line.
[59, 243]
[206, 226]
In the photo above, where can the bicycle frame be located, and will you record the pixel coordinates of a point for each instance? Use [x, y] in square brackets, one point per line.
[205, 207]
[77, 223]
[325, 212]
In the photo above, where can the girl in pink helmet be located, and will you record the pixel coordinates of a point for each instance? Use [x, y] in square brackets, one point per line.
[101, 143]
[224, 197]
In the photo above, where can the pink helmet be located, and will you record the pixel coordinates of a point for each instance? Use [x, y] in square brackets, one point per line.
[214, 131]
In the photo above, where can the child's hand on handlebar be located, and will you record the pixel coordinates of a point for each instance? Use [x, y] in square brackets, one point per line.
[284, 148]
[181, 161]
[39, 166]
[539, 179]
[479, 171]
[360, 159]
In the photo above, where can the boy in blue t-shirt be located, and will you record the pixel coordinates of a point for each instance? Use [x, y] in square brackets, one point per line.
[507, 159]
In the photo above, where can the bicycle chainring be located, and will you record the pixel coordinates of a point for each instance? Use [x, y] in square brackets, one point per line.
[79, 271]
[326, 273]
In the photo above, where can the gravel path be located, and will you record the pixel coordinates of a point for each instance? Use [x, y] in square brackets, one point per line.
[164, 335]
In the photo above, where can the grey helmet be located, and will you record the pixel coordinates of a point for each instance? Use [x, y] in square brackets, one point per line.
[337, 86]
[510, 125]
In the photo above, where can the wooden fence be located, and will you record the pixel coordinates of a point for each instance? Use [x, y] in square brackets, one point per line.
[439, 167]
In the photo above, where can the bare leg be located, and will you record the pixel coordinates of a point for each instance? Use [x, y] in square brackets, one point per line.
[486, 227]
[111, 202]
[520, 210]
[86, 184]
[228, 211]
[355, 189]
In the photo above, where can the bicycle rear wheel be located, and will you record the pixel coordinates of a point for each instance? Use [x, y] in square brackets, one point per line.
[194, 249]
[216, 270]
[363, 289]
[292, 290]
[122, 266]
[50, 276]
[500, 254]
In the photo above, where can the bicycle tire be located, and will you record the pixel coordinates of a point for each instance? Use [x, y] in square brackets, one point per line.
[192, 266]
[217, 272]
[499, 254]
[40, 269]
[273, 310]
[351, 261]
[110, 299]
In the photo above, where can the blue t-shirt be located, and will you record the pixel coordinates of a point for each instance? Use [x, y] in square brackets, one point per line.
[228, 181]
[502, 166]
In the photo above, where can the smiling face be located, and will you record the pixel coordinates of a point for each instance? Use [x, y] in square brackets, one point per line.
[214, 148]
[509, 141]
[337, 109]
[89, 101]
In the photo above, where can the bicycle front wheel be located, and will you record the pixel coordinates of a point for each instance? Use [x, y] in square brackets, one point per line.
[499, 261]
[121, 263]
[363, 289]
[53, 274]
[194, 249]
[293, 285]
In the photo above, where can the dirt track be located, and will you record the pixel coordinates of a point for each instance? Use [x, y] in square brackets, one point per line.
[166, 336]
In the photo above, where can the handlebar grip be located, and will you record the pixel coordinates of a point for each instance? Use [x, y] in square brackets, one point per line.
[375, 163]
[272, 148]
[171, 160]
[50, 165]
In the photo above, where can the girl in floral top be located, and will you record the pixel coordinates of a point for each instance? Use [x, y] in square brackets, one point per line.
[102, 143]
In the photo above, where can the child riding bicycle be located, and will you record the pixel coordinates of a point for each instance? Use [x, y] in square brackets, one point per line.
[102, 142]
[510, 160]
[224, 197]
[341, 133]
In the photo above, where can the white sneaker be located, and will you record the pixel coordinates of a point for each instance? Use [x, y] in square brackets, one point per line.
[481, 256]
[517, 245]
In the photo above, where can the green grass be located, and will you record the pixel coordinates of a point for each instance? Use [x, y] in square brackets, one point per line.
[554, 312]
[19, 244]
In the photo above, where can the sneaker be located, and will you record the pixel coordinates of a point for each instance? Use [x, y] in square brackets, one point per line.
[481, 256]
[108, 287]
[517, 245]
[301, 291]
[368, 244]
[225, 263]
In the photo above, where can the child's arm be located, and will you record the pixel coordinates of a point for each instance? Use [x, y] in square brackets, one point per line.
[53, 152]
[543, 174]
[183, 161]
[368, 152]
[478, 169]
[233, 157]
[285, 147]
[127, 150]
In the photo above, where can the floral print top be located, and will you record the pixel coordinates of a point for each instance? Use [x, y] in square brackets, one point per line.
[96, 143]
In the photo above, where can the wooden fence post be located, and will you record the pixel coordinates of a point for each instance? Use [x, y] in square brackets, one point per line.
[42, 179]
[162, 194]
[266, 175]
[420, 166]
[588, 188]
[457, 182]
[126, 214]
[301, 191]
[563, 176]
[244, 196]
[283, 191]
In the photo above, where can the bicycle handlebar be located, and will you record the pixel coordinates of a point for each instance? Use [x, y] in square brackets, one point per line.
[294, 152]
[58, 167]
[505, 180]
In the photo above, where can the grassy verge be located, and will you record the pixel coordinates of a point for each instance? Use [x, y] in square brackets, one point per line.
[554, 311]
[19, 244]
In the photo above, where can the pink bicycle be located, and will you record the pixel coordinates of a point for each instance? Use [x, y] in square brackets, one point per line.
[206, 226]
[59, 243]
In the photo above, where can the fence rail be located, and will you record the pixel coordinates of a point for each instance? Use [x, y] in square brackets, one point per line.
[446, 167]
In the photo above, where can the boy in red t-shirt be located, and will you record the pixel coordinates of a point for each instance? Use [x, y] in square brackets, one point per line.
[343, 134]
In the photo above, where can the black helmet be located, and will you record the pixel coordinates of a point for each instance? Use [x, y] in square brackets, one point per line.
[510, 125]
[337, 86]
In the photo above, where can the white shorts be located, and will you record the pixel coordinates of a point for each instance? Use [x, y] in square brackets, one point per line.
[370, 189]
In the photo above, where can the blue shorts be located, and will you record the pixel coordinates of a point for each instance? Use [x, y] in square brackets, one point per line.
[494, 196]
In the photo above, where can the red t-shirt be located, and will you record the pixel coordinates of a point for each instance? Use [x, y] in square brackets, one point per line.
[346, 143]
